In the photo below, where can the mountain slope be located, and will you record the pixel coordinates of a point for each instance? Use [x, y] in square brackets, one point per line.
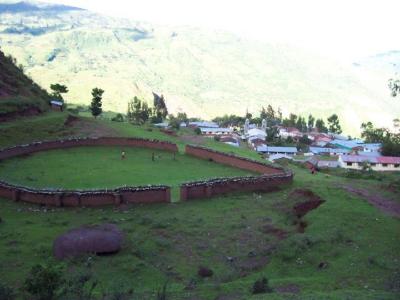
[19, 95]
[203, 73]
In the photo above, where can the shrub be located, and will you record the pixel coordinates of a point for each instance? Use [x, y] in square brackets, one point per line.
[261, 286]
[118, 118]
[80, 287]
[197, 130]
[43, 282]
[6, 293]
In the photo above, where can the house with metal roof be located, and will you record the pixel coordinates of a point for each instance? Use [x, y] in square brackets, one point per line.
[358, 162]
[329, 151]
[57, 105]
[211, 131]
[203, 124]
[276, 150]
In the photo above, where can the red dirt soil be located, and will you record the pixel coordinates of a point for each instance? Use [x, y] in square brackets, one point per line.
[312, 201]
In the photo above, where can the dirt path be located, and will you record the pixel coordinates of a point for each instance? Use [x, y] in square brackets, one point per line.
[388, 206]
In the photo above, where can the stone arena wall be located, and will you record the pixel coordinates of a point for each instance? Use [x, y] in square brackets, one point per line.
[148, 194]
[270, 178]
[78, 142]
[233, 160]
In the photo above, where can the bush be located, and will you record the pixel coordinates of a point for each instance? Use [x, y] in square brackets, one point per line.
[6, 293]
[118, 118]
[197, 130]
[261, 286]
[44, 282]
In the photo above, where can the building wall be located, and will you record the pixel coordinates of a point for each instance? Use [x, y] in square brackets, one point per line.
[377, 167]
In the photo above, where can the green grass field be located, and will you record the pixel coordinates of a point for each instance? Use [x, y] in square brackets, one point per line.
[102, 167]
[234, 235]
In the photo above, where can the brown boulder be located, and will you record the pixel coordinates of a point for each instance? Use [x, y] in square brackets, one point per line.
[101, 239]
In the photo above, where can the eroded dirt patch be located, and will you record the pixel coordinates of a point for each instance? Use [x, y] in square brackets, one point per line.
[387, 206]
[88, 128]
[307, 201]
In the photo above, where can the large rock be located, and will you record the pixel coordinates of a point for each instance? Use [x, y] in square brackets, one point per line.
[101, 239]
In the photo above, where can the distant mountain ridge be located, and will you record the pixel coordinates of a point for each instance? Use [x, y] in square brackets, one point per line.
[19, 7]
[204, 73]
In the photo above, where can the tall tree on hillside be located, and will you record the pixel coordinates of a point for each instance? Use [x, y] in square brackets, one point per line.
[334, 124]
[390, 140]
[129, 113]
[311, 121]
[394, 85]
[58, 90]
[271, 115]
[160, 108]
[279, 117]
[320, 125]
[96, 104]
[263, 113]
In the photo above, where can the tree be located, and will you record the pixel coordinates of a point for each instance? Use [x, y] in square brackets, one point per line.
[58, 90]
[394, 85]
[334, 125]
[310, 123]
[320, 125]
[174, 122]
[263, 113]
[95, 106]
[270, 115]
[390, 141]
[160, 108]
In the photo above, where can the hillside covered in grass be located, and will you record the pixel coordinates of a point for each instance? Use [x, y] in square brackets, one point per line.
[19, 94]
[347, 248]
[201, 72]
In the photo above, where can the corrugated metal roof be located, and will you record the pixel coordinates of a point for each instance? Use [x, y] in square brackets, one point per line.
[328, 150]
[204, 124]
[378, 160]
[277, 149]
[212, 129]
[56, 102]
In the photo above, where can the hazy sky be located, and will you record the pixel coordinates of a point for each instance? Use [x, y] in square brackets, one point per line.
[348, 29]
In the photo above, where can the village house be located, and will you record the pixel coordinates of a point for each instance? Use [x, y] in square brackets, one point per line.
[358, 162]
[289, 132]
[276, 150]
[230, 140]
[211, 131]
[329, 151]
[57, 105]
[203, 124]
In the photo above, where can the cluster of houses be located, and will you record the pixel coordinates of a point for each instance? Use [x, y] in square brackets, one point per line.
[326, 150]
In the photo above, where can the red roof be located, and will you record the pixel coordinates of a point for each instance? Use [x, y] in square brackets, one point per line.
[388, 160]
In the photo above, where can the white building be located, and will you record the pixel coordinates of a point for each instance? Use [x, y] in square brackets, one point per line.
[215, 131]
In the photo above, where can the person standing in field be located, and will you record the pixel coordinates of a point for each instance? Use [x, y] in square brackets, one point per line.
[123, 154]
